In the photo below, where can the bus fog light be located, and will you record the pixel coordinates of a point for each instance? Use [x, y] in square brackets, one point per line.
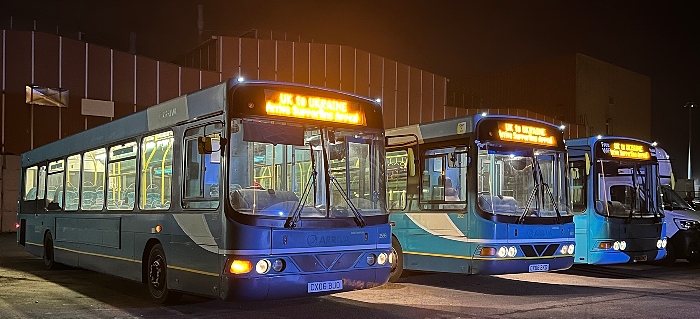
[371, 259]
[502, 252]
[563, 249]
[263, 266]
[664, 242]
[278, 265]
[571, 249]
[241, 266]
[512, 251]
[616, 245]
[381, 259]
[623, 245]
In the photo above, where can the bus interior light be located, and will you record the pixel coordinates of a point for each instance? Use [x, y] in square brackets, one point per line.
[263, 266]
[241, 266]
[487, 251]
[381, 259]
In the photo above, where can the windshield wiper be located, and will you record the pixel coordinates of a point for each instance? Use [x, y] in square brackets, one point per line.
[539, 186]
[294, 217]
[359, 219]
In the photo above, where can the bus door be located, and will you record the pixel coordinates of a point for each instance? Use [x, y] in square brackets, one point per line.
[582, 205]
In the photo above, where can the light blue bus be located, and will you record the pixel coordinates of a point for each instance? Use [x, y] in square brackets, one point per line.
[243, 190]
[615, 188]
[482, 194]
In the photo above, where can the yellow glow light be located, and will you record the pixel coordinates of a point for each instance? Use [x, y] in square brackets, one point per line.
[624, 150]
[526, 134]
[241, 266]
[313, 108]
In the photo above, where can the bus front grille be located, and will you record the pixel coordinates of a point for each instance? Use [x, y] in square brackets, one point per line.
[539, 250]
[326, 262]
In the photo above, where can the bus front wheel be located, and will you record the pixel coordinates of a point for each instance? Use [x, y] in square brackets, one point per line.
[48, 258]
[397, 264]
[157, 277]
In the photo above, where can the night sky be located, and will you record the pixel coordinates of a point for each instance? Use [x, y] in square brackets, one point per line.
[660, 39]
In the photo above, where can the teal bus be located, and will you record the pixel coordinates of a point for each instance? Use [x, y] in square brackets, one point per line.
[617, 196]
[482, 194]
[245, 190]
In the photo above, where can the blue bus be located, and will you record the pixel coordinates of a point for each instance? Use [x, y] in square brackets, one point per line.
[615, 188]
[482, 194]
[240, 191]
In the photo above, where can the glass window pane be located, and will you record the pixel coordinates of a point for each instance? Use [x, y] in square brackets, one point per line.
[397, 168]
[121, 173]
[156, 171]
[54, 186]
[72, 198]
[41, 192]
[92, 196]
[30, 183]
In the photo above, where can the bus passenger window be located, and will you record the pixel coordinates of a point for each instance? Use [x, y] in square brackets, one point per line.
[156, 171]
[54, 185]
[72, 195]
[121, 175]
[201, 174]
[41, 190]
[93, 179]
[396, 175]
[30, 183]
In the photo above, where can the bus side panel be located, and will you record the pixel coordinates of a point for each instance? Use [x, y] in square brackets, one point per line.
[193, 260]
[37, 225]
[583, 247]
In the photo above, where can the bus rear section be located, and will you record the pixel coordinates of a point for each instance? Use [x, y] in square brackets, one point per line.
[480, 195]
[615, 184]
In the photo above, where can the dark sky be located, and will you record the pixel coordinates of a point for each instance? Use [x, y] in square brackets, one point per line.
[660, 39]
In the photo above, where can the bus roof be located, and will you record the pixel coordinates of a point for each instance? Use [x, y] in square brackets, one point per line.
[181, 109]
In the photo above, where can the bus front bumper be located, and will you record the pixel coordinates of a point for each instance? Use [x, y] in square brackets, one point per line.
[622, 257]
[300, 285]
[513, 266]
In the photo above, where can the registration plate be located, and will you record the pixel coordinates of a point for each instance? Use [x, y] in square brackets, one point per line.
[640, 258]
[539, 267]
[321, 286]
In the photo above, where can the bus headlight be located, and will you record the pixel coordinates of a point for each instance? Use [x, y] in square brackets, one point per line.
[571, 249]
[658, 244]
[371, 259]
[278, 265]
[502, 252]
[263, 266]
[616, 245]
[563, 249]
[623, 245]
[664, 242]
[381, 259]
[512, 251]
[241, 266]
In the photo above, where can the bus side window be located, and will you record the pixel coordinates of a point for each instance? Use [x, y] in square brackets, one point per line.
[54, 185]
[397, 178]
[121, 174]
[30, 181]
[156, 171]
[578, 184]
[201, 174]
[93, 180]
[41, 189]
[72, 194]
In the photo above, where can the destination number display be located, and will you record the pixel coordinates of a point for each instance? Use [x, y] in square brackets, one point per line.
[313, 108]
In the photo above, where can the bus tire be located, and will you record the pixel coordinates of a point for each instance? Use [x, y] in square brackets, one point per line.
[157, 280]
[397, 265]
[48, 257]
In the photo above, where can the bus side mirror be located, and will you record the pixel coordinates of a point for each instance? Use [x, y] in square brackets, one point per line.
[204, 145]
[588, 164]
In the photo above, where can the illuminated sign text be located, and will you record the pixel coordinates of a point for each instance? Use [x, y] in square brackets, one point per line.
[633, 151]
[313, 108]
[526, 134]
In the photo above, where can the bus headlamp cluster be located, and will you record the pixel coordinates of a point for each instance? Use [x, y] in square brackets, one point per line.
[263, 266]
[567, 249]
[504, 251]
[616, 245]
[661, 243]
[381, 259]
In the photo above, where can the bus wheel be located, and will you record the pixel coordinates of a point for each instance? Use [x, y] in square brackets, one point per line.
[49, 261]
[157, 277]
[397, 265]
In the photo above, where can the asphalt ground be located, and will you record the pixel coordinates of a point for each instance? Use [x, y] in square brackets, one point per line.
[27, 290]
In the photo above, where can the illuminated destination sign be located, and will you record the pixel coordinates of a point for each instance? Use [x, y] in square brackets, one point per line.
[525, 134]
[313, 108]
[625, 150]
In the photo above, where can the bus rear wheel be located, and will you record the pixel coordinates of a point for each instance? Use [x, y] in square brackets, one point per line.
[48, 257]
[397, 264]
[157, 277]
